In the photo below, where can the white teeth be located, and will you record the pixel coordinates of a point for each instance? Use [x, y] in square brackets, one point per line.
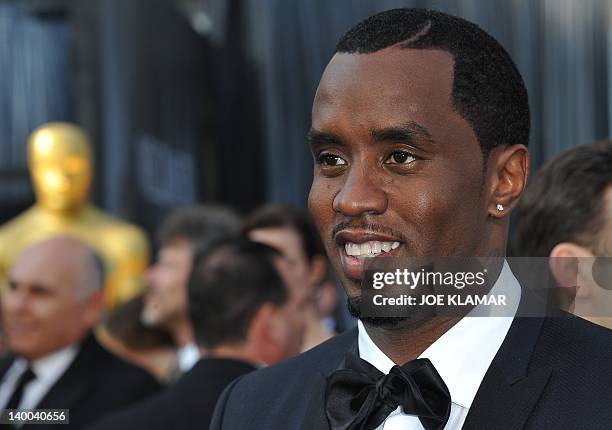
[376, 247]
[369, 249]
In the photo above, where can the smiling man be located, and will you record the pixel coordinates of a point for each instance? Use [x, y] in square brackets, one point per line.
[419, 132]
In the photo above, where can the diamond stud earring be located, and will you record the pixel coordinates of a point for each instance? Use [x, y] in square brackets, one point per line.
[499, 207]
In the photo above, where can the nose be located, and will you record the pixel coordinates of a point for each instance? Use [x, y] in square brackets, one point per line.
[360, 194]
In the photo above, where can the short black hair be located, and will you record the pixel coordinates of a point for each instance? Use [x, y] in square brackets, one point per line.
[281, 215]
[230, 281]
[488, 90]
[564, 202]
[198, 223]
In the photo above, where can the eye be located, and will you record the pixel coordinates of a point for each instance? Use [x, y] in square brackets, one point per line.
[400, 157]
[327, 159]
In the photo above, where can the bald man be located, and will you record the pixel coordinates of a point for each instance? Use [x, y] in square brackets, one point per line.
[53, 301]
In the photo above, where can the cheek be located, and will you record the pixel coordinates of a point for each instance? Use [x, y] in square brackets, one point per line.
[436, 214]
[320, 205]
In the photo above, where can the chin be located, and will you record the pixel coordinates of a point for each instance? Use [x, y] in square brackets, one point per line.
[420, 316]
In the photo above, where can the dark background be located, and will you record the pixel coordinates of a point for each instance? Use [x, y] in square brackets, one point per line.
[209, 100]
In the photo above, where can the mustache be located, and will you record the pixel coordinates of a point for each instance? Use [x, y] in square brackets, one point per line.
[369, 226]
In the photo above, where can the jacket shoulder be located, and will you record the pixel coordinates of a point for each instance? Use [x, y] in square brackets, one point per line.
[285, 388]
[320, 359]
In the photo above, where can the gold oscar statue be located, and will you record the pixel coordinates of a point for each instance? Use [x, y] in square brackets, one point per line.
[60, 161]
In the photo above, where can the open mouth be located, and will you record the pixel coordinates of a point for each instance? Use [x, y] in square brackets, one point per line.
[370, 249]
[355, 248]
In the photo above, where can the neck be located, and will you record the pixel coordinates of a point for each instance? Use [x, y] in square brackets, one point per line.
[234, 352]
[404, 344]
[182, 332]
[594, 309]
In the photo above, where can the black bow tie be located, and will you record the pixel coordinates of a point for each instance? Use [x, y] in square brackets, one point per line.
[360, 397]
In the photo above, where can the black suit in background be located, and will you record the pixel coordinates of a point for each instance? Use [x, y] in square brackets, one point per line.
[549, 373]
[95, 383]
[189, 404]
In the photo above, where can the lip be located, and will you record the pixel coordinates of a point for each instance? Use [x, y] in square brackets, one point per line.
[354, 267]
[361, 236]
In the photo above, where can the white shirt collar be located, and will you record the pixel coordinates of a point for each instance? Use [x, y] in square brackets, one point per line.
[187, 355]
[463, 354]
[52, 366]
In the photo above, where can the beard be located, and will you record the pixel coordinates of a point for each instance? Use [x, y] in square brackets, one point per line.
[419, 316]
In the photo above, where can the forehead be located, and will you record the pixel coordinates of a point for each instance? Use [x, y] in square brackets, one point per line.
[177, 248]
[387, 87]
[285, 239]
[43, 267]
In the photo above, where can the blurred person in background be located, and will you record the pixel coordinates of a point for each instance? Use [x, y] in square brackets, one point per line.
[566, 214]
[165, 298]
[291, 231]
[243, 316]
[53, 301]
[123, 333]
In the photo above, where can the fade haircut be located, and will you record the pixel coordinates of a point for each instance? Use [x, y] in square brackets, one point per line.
[232, 278]
[564, 202]
[488, 90]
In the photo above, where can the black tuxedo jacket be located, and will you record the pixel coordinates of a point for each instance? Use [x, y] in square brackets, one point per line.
[549, 373]
[189, 404]
[95, 383]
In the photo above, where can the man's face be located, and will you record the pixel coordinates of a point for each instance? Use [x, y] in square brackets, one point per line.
[44, 309]
[165, 298]
[395, 164]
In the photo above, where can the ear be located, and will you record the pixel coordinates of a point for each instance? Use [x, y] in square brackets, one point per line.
[565, 266]
[263, 334]
[95, 308]
[510, 165]
[262, 327]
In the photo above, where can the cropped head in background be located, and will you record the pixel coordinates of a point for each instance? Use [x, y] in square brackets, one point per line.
[61, 167]
[566, 214]
[420, 127]
[239, 304]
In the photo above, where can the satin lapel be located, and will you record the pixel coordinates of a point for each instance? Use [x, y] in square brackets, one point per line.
[510, 389]
[315, 418]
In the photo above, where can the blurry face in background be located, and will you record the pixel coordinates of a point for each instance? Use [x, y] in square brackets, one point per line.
[165, 298]
[289, 243]
[61, 169]
[45, 307]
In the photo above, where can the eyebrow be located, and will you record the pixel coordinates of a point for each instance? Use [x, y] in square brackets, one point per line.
[317, 138]
[407, 133]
